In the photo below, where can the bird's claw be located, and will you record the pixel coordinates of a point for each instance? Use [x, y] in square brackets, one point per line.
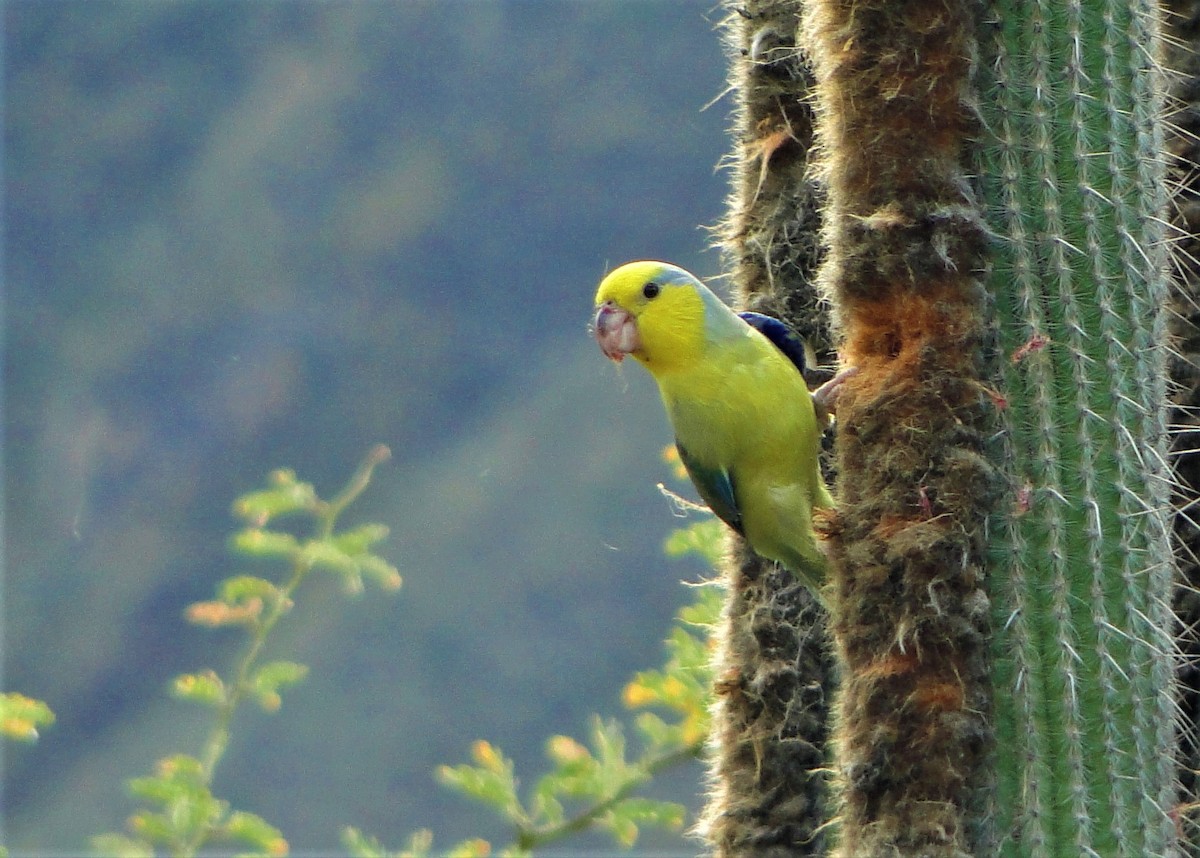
[825, 397]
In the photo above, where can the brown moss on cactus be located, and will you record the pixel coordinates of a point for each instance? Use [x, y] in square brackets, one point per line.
[906, 246]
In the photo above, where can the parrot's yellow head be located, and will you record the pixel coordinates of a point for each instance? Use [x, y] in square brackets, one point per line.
[654, 312]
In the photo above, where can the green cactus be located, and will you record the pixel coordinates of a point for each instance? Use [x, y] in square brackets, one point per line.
[1072, 176]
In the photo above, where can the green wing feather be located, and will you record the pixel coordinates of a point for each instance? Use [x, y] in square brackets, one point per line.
[715, 486]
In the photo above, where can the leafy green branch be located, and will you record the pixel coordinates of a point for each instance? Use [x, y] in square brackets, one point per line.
[594, 786]
[181, 815]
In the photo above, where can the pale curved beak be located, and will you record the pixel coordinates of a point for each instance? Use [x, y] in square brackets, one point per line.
[616, 331]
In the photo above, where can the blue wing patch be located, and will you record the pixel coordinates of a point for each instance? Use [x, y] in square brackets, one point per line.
[715, 486]
[782, 336]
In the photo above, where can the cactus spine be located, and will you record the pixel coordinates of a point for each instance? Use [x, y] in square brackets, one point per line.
[1072, 172]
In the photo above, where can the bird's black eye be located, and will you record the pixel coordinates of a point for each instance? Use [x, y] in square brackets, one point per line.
[651, 289]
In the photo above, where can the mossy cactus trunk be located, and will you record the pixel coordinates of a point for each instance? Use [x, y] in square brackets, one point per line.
[906, 250]
[774, 665]
[1002, 566]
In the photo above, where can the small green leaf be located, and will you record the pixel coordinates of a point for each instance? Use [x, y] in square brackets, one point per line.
[488, 787]
[278, 674]
[674, 688]
[155, 790]
[380, 571]
[545, 810]
[360, 539]
[264, 543]
[242, 587]
[576, 774]
[153, 827]
[491, 781]
[120, 846]
[359, 845]
[705, 538]
[623, 829]
[175, 777]
[188, 804]
[195, 812]
[286, 496]
[474, 848]
[608, 743]
[204, 687]
[624, 820]
[318, 553]
[272, 677]
[648, 811]
[705, 612]
[256, 831]
[21, 716]
[418, 845]
[689, 652]
[658, 734]
[184, 769]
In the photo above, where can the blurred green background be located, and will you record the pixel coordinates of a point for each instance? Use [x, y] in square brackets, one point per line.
[240, 236]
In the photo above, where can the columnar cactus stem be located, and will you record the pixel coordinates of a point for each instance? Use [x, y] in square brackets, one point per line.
[774, 666]
[1072, 174]
[906, 245]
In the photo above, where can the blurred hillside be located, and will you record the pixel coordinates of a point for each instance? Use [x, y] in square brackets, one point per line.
[248, 235]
